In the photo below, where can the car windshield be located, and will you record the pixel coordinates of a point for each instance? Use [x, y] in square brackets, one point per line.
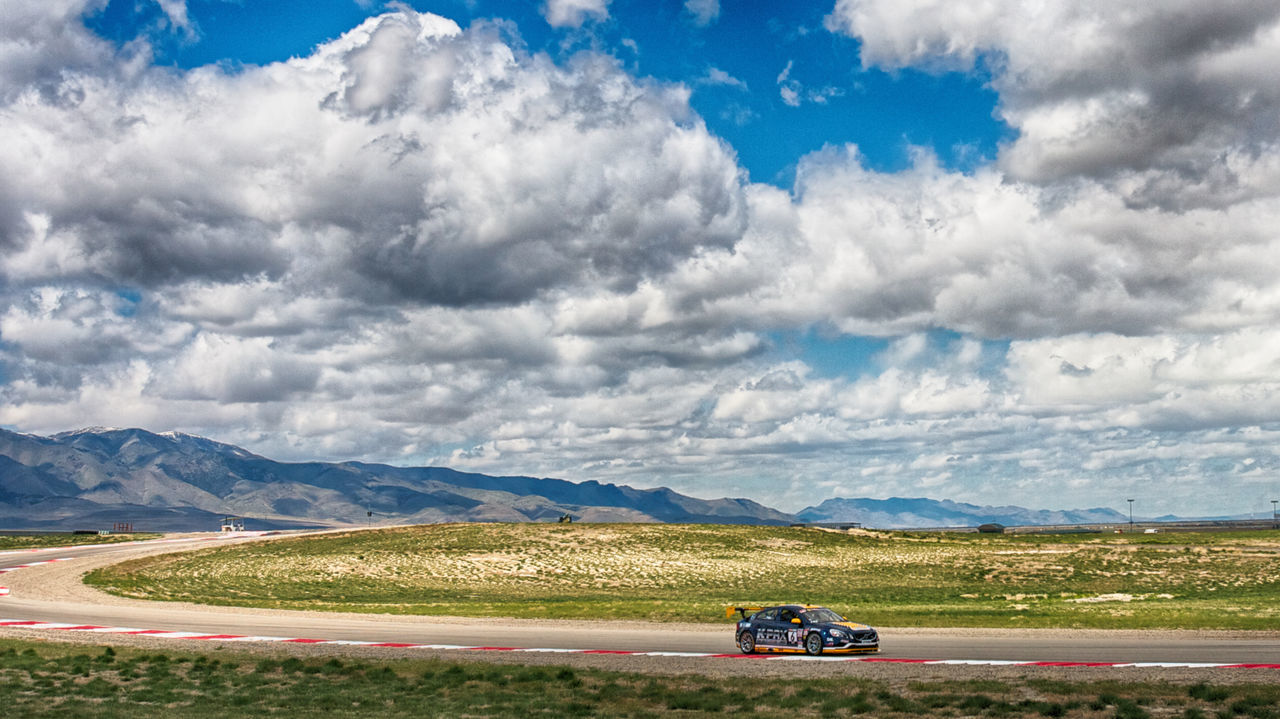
[821, 615]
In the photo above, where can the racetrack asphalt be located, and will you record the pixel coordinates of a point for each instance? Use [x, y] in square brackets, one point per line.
[53, 593]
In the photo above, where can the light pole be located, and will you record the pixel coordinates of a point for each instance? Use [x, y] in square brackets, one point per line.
[1275, 516]
[1130, 501]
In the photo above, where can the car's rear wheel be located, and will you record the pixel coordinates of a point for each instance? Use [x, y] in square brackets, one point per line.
[813, 644]
[747, 643]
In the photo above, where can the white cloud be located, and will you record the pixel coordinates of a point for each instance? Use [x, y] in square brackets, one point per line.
[716, 76]
[41, 42]
[419, 244]
[1151, 95]
[346, 169]
[1186, 382]
[703, 11]
[65, 329]
[572, 13]
[794, 94]
[789, 89]
[176, 12]
[231, 369]
[881, 254]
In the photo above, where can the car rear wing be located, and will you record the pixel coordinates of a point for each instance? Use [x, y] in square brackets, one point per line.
[744, 611]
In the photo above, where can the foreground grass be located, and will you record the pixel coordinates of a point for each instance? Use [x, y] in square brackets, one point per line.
[690, 572]
[40, 541]
[67, 680]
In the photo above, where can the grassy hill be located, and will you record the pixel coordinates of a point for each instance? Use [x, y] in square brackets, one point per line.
[691, 572]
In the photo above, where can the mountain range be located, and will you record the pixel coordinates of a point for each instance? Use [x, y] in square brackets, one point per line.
[94, 478]
[898, 512]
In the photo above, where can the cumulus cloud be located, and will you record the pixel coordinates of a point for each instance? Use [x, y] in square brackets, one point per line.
[1173, 99]
[421, 244]
[175, 11]
[886, 253]
[572, 13]
[231, 369]
[375, 235]
[405, 160]
[64, 330]
[43, 43]
[1188, 382]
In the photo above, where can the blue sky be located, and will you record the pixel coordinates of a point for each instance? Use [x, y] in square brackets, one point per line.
[885, 113]
[789, 251]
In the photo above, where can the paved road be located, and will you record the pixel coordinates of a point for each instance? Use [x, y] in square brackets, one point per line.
[1022, 646]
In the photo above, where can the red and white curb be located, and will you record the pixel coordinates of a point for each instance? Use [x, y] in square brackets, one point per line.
[204, 636]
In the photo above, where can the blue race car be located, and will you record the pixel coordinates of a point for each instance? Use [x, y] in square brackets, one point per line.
[795, 628]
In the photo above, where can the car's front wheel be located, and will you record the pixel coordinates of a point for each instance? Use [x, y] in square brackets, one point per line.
[813, 644]
[747, 643]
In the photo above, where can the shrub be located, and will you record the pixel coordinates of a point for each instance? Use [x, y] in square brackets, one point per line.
[1207, 693]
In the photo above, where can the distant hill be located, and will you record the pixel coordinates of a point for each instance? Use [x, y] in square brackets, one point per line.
[92, 478]
[898, 513]
[171, 481]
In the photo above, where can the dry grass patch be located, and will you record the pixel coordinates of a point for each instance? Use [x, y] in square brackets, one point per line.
[10, 542]
[689, 572]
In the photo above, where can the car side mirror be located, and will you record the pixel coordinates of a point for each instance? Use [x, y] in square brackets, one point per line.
[795, 620]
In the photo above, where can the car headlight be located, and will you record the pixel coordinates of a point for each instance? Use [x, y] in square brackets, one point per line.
[837, 634]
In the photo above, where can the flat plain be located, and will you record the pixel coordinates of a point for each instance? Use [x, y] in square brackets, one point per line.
[691, 572]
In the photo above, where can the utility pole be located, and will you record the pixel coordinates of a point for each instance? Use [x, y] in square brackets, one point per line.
[1275, 514]
[1130, 501]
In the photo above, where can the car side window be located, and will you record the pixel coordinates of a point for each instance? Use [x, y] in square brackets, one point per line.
[787, 615]
[767, 615]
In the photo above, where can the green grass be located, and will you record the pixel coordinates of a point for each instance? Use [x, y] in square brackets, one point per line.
[40, 541]
[691, 572]
[44, 680]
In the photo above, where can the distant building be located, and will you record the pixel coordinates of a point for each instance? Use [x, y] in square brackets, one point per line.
[991, 528]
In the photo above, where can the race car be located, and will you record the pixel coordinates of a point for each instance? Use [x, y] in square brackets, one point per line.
[795, 628]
